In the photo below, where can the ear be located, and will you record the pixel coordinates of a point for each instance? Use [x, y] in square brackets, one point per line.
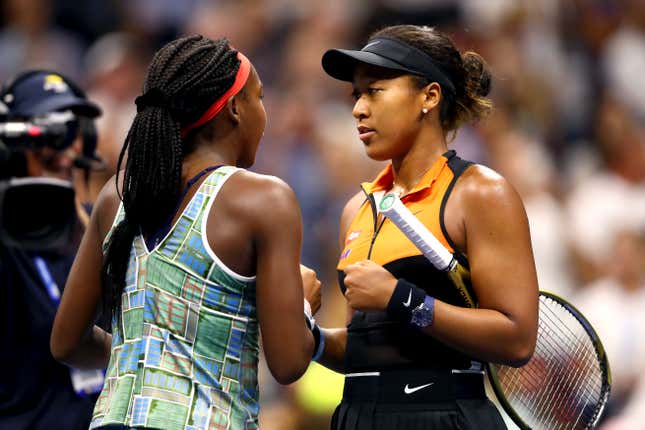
[233, 110]
[431, 96]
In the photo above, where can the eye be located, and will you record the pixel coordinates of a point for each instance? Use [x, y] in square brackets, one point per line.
[370, 91]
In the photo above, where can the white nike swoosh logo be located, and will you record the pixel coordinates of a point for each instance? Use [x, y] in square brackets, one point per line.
[408, 390]
[370, 44]
[407, 304]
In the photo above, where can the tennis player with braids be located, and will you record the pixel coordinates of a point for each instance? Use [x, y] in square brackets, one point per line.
[411, 348]
[182, 254]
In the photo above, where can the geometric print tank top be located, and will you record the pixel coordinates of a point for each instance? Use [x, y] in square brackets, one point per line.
[185, 352]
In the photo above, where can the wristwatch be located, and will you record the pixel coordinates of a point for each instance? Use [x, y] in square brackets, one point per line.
[423, 315]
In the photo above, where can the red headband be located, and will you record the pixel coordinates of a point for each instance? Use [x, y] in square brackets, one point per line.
[240, 80]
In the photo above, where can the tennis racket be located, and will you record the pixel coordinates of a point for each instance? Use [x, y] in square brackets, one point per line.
[566, 383]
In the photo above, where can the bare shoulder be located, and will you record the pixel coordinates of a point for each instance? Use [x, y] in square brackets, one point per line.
[490, 212]
[482, 189]
[106, 206]
[249, 193]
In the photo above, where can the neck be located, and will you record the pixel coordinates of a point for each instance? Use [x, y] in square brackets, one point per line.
[411, 166]
[204, 156]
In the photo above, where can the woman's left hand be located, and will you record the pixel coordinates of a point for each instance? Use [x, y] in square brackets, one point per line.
[368, 286]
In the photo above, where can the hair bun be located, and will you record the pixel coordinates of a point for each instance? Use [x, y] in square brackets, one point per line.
[478, 78]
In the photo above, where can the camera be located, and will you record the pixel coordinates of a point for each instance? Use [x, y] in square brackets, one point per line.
[56, 130]
[39, 110]
[42, 108]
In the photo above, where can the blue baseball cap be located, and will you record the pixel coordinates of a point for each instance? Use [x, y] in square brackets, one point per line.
[39, 92]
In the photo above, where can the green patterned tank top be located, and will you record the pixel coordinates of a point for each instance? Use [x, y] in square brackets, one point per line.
[185, 353]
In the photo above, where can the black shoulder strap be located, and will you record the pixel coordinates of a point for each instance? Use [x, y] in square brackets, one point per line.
[458, 166]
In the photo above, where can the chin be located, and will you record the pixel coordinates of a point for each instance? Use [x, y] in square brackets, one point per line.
[375, 154]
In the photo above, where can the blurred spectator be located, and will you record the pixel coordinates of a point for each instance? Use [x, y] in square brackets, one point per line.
[158, 21]
[258, 38]
[115, 66]
[31, 41]
[614, 306]
[613, 197]
[88, 19]
[623, 60]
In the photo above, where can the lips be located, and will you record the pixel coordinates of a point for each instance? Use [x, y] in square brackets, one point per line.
[364, 132]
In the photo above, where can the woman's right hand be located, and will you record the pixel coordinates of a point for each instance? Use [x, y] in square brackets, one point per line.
[311, 288]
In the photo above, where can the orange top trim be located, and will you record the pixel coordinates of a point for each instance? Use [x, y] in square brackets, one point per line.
[390, 244]
[385, 178]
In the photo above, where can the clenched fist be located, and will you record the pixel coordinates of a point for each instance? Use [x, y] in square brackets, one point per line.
[311, 287]
[368, 286]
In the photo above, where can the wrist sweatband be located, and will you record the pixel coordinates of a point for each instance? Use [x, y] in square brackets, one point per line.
[405, 298]
[319, 343]
[319, 338]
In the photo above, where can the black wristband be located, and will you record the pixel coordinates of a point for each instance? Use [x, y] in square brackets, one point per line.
[319, 343]
[405, 298]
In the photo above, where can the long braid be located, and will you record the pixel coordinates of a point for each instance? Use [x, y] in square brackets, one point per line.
[191, 72]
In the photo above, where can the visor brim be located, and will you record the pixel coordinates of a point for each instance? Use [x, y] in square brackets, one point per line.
[341, 63]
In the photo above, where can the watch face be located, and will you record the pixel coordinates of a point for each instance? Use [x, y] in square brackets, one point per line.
[422, 315]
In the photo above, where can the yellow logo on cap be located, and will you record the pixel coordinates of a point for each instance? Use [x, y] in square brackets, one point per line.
[55, 83]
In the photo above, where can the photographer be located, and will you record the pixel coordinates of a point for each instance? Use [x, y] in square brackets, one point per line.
[46, 136]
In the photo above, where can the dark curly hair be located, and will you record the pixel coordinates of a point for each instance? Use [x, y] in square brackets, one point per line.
[467, 71]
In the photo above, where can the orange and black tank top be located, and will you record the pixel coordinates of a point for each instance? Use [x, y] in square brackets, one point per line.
[375, 341]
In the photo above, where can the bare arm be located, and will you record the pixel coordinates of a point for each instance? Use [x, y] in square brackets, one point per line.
[336, 338]
[75, 340]
[288, 343]
[496, 236]
[498, 245]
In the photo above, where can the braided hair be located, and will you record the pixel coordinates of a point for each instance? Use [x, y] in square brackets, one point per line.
[184, 78]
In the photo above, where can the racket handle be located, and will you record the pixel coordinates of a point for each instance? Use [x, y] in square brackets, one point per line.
[392, 207]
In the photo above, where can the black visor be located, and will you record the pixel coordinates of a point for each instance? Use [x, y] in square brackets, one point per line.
[388, 53]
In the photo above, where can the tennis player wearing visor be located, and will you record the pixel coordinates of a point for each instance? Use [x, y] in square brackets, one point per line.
[411, 351]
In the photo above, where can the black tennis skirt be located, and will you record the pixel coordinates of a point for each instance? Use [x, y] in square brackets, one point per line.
[402, 400]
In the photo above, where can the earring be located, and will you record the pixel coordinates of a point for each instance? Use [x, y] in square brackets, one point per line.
[424, 110]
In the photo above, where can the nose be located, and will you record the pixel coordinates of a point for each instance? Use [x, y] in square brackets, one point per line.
[361, 109]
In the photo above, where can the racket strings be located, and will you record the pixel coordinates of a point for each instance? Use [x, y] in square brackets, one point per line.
[561, 387]
[587, 355]
[579, 382]
[541, 351]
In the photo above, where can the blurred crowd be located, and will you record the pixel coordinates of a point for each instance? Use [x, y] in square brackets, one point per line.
[568, 131]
